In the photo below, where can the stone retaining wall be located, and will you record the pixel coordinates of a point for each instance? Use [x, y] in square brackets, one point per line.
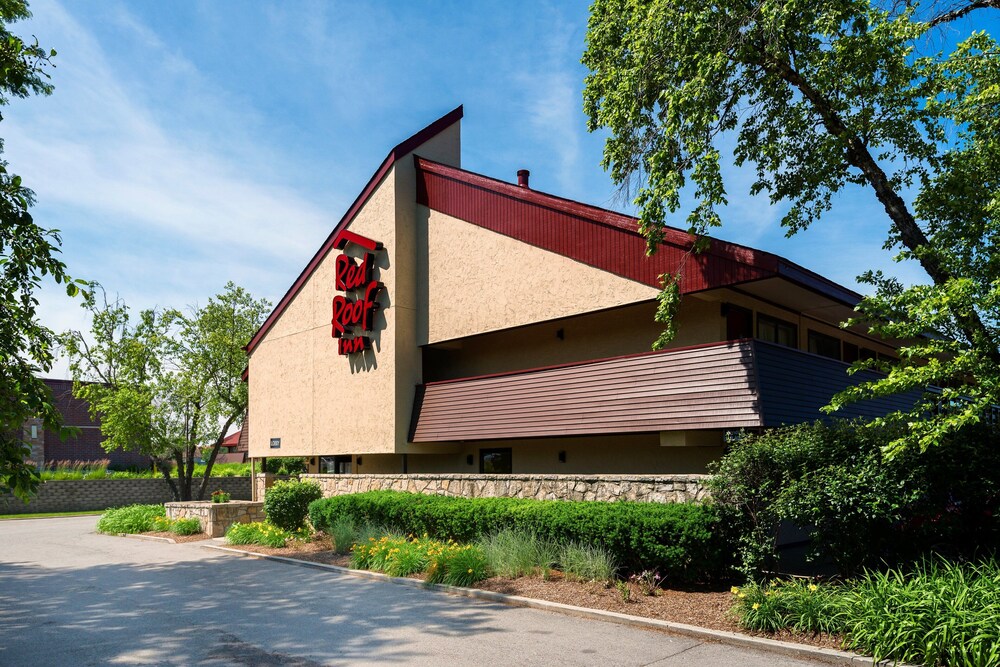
[80, 495]
[216, 518]
[642, 488]
[266, 480]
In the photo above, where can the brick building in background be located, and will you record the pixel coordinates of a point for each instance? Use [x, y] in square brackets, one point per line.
[47, 448]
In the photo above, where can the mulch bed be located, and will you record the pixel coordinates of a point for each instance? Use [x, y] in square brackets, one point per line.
[706, 609]
[197, 537]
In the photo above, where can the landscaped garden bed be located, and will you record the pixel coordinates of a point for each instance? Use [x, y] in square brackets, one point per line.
[630, 558]
[707, 608]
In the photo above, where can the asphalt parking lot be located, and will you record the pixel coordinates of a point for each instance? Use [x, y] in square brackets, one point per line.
[69, 596]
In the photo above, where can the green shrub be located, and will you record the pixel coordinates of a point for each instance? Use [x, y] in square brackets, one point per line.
[189, 526]
[286, 504]
[286, 465]
[263, 533]
[130, 519]
[685, 542]
[860, 509]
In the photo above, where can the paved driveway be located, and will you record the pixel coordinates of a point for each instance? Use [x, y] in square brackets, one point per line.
[69, 596]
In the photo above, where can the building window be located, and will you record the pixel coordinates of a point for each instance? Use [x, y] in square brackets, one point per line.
[495, 461]
[823, 345]
[777, 331]
[34, 431]
[854, 353]
[335, 465]
[739, 322]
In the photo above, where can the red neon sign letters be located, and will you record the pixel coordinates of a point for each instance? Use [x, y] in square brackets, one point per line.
[356, 279]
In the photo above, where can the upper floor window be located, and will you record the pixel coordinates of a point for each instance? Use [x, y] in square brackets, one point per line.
[777, 331]
[824, 345]
[739, 322]
[854, 353]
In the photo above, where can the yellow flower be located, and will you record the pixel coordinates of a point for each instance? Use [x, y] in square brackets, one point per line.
[756, 605]
[470, 570]
[734, 590]
[742, 595]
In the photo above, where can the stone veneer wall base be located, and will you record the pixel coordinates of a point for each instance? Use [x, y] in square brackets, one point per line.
[216, 518]
[639, 488]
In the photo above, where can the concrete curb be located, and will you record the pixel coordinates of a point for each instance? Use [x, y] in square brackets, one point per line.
[790, 649]
[148, 538]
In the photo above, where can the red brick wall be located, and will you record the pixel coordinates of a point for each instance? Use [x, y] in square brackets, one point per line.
[87, 445]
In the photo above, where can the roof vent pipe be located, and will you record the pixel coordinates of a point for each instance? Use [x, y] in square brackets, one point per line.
[522, 177]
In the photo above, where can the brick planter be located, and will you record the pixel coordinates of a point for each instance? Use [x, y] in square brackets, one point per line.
[216, 518]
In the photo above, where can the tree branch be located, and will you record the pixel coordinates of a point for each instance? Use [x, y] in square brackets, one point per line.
[962, 11]
[910, 233]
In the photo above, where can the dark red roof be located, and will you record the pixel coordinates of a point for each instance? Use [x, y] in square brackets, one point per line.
[604, 239]
[401, 150]
[601, 238]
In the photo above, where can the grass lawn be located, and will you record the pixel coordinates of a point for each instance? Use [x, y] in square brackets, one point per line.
[47, 515]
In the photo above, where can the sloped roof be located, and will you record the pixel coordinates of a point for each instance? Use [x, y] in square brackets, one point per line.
[726, 385]
[399, 151]
[601, 238]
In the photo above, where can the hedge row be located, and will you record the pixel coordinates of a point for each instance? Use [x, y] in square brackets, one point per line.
[684, 542]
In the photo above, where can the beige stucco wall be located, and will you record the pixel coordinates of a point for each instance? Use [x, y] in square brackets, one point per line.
[301, 389]
[625, 330]
[623, 454]
[479, 281]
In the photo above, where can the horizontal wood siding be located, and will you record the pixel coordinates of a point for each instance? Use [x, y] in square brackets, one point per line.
[697, 388]
[794, 385]
[598, 238]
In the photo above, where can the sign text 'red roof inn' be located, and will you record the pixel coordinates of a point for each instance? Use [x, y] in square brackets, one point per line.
[357, 309]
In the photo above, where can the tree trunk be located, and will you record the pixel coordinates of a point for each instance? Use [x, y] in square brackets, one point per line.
[211, 457]
[161, 465]
[183, 482]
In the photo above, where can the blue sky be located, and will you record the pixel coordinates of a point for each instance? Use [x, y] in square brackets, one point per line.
[191, 143]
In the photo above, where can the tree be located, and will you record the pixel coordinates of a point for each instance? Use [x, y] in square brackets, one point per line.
[817, 97]
[168, 383]
[28, 253]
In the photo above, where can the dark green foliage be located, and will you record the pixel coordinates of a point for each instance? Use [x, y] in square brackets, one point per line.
[937, 613]
[685, 542]
[286, 465]
[29, 255]
[286, 504]
[861, 508]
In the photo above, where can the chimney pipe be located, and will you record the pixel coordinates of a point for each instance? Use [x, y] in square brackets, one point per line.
[522, 177]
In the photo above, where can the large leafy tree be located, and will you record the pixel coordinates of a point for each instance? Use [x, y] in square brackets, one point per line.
[28, 253]
[816, 97]
[168, 382]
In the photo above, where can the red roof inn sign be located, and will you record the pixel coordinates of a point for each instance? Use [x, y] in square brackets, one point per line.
[354, 313]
